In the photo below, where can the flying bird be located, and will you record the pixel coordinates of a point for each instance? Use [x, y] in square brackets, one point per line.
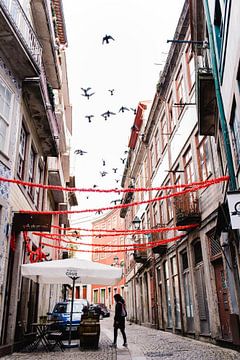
[99, 212]
[89, 117]
[88, 95]
[80, 152]
[111, 91]
[123, 108]
[107, 114]
[103, 173]
[94, 186]
[104, 162]
[123, 160]
[106, 39]
[126, 152]
[85, 91]
[117, 180]
[114, 170]
[134, 111]
[115, 201]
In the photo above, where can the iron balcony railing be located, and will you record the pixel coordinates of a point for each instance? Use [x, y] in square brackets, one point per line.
[23, 28]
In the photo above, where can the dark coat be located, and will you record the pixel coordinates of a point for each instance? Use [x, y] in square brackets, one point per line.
[119, 320]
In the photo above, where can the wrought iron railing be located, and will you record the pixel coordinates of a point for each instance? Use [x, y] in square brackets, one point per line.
[23, 27]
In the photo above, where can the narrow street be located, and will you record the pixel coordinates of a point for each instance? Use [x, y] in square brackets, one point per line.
[143, 344]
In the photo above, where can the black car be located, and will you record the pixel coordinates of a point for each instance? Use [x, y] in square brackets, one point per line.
[100, 309]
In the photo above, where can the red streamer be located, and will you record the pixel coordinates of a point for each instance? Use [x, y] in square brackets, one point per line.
[61, 188]
[121, 206]
[123, 233]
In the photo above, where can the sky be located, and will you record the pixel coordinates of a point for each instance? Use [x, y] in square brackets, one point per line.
[130, 64]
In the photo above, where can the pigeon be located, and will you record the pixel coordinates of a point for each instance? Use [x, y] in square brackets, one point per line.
[115, 201]
[107, 114]
[104, 162]
[117, 180]
[126, 152]
[89, 117]
[79, 152]
[123, 108]
[111, 91]
[85, 91]
[99, 212]
[94, 186]
[134, 111]
[103, 173]
[114, 170]
[88, 95]
[106, 39]
[123, 160]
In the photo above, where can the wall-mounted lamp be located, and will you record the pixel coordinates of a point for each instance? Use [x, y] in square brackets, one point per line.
[136, 223]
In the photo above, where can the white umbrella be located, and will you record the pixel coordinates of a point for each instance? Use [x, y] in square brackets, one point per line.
[55, 272]
[70, 271]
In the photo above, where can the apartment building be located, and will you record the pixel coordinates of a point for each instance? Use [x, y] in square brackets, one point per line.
[179, 286]
[35, 133]
[102, 225]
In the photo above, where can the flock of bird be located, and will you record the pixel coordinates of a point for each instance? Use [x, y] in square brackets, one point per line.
[88, 93]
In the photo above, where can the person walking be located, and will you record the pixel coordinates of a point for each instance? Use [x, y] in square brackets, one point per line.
[119, 319]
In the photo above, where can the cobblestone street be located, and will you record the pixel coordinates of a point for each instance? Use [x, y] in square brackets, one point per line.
[143, 344]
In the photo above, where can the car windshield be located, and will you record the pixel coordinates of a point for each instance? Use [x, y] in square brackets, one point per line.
[66, 308]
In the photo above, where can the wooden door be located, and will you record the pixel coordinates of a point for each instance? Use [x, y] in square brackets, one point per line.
[222, 294]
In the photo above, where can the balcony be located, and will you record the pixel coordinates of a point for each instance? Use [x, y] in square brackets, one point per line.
[158, 236]
[18, 41]
[140, 256]
[55, 177]
[187, 210]
[37, 98]
[207, 103]
[43, 21]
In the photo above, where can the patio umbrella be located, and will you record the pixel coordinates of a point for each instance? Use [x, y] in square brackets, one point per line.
[70, 271]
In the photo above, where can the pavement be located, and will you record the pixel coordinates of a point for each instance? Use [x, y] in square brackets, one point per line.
[143, 344]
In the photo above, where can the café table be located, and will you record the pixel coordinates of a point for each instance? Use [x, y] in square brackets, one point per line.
[42, 330]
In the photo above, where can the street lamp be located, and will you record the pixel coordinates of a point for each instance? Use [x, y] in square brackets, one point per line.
[136, 223]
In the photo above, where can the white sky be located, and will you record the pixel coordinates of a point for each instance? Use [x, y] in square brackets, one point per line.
[140, 29]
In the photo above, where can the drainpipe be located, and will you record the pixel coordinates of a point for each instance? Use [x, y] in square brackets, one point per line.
[223, 122]
[232, 184]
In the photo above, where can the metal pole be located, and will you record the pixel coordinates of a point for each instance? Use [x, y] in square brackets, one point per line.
[71, 311]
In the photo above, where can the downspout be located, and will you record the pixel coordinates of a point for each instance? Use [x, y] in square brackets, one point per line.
[223, 122]
[232, 184]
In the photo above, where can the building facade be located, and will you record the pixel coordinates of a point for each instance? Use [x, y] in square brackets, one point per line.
[35, 134]
[182, 286]
[111, 221]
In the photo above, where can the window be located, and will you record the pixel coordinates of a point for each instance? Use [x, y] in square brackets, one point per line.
[180, 90]
[218, 26]
[22, 153]
[235, 131]
[152, 159]
[188, 166]
[190, 68]
[164, 131]
[156, 146]
[5, 112]
[176, 293]
[169, 204]
[203, 150]
[171, 115]
[31, 168]
[168, 296]
[155, 214]
[197, 252]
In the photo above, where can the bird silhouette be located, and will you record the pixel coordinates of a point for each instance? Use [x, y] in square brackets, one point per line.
[103, 173]
[114, 170]
[94, 186]
[126, 152]
[99, 212]
[134, 110]
[115, 201]
[123, 108]
[117, 180]
[85, 90]
[106, 39]
[88, 95]
[104, 162]
[123, 160]
[80, 152]
[107, 114]
[89, 117]
[111, 91]
[134, 127]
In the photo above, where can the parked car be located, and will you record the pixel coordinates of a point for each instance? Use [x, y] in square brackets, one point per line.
[100, 309]
[61, 314]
